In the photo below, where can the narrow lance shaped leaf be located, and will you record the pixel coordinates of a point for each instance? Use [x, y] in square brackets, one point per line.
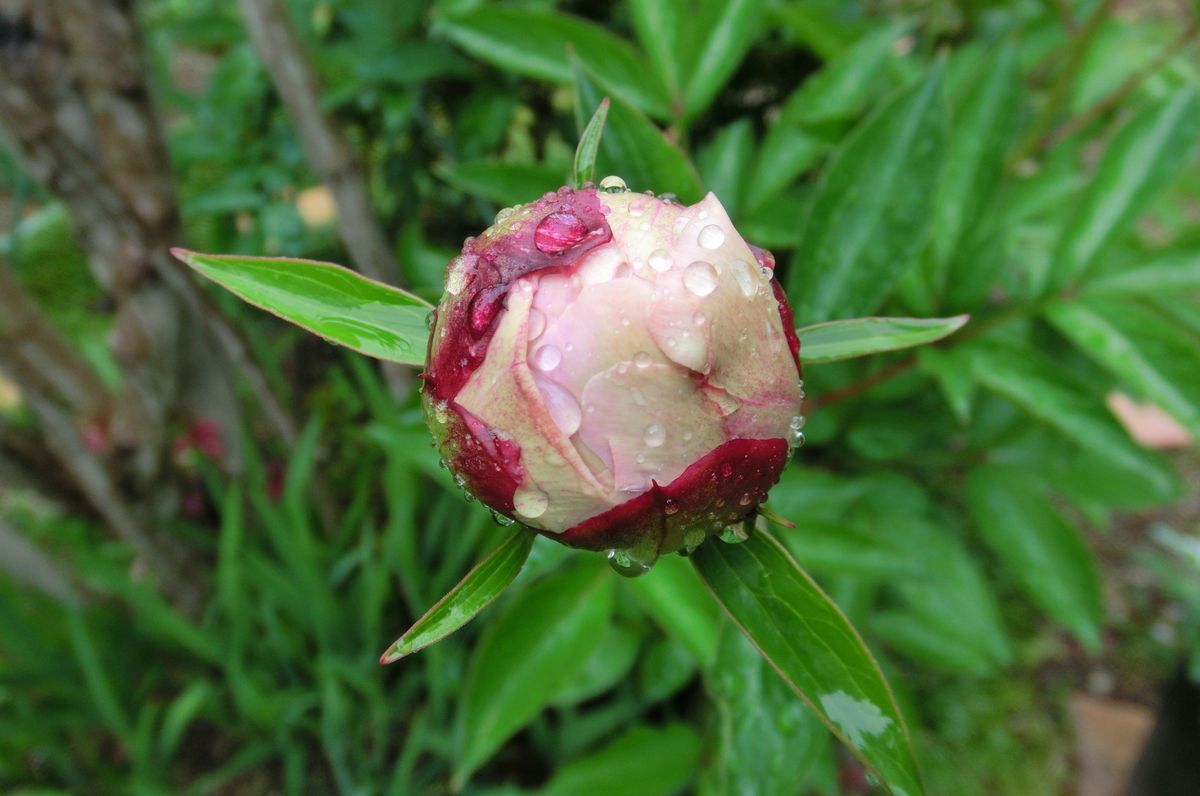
[722, 32]
[812, 645]
[534, 42]
[860, 337]
[1138, 346]
[870, 212]
[333, 302]
[476, 591]
[527, 656]
[633, 148]
[1139, 162]
[1039, 386]
[589, 145]
[1042, 551]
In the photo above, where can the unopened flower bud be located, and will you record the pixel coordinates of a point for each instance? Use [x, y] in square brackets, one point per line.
[615, 370]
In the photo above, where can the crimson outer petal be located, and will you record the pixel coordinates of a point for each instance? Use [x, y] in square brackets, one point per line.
[717, 490]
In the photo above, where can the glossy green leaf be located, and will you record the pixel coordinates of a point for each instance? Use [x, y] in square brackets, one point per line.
[823, 26]
[767, 740]
[636, 150]
[1142, 158]
[721, 33]
[1040, 387]
[611, 662]
[645, 761]
[1173, 272]
[528, 655]
[534, 42]
[1140, 347]
[725, 161]
[838, 92]
[870, 212]
[949, 368]
[504, 183]
[333, 302]
[589, 145]
[845, 86]
[679, 605]
[860, 337]
[981, 134]
[812, 645]
[947, 616]
[474, 592]
[660, 28]
[1040, 549]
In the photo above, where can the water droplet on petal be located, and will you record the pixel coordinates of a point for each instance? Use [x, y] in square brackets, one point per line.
[613, 184]
[561, 404]
[457, 271]
[670, 507]
[642, 359]
[700, 278]
[744, 277]
[654, 435]
[636, 208]
[699, 319]
[537, 323]
[711, 237]
[558, 232]
[547, 357]
[530, 502]
[659, 260]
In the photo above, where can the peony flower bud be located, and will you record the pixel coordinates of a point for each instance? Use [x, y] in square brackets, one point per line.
[615, 370]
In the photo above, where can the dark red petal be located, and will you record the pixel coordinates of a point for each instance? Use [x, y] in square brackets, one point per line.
[789, 323]
[715, 491]
[490, 465]
[563, 227]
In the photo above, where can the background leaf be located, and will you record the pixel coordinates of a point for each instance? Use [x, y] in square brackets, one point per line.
[328, 300]
[1040, 549]
[834, 340]
[814, 648]
[1141, 159]
[527, 655]
[472, 594]
[645, 761]
[634, 149]
[871, 209]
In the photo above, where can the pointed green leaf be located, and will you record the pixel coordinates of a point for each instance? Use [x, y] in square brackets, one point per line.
[660, 30]
[473, 593]
[1140, 347]
[589, 144]
[679, 605]
[1142, 158]
[1041, 550]
[860, 337]
[767, 740]
[721, 33]
[534, 43]
[634, 149]
[645, 761]
[981, 131]
[498, 181]
[333, 302]
[1171, 272]
[1040, 386]
[725, 161]
[527, 656]
[870, 212]
[812, 645]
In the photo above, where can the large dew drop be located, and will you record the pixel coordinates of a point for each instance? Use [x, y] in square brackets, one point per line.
[547, 358]
[613, 184]
[659, 260]
[655, 435]
[711, 237]
[530, 502]
[700, 278]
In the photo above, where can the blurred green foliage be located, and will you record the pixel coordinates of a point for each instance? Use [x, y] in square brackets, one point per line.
[907, 161]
